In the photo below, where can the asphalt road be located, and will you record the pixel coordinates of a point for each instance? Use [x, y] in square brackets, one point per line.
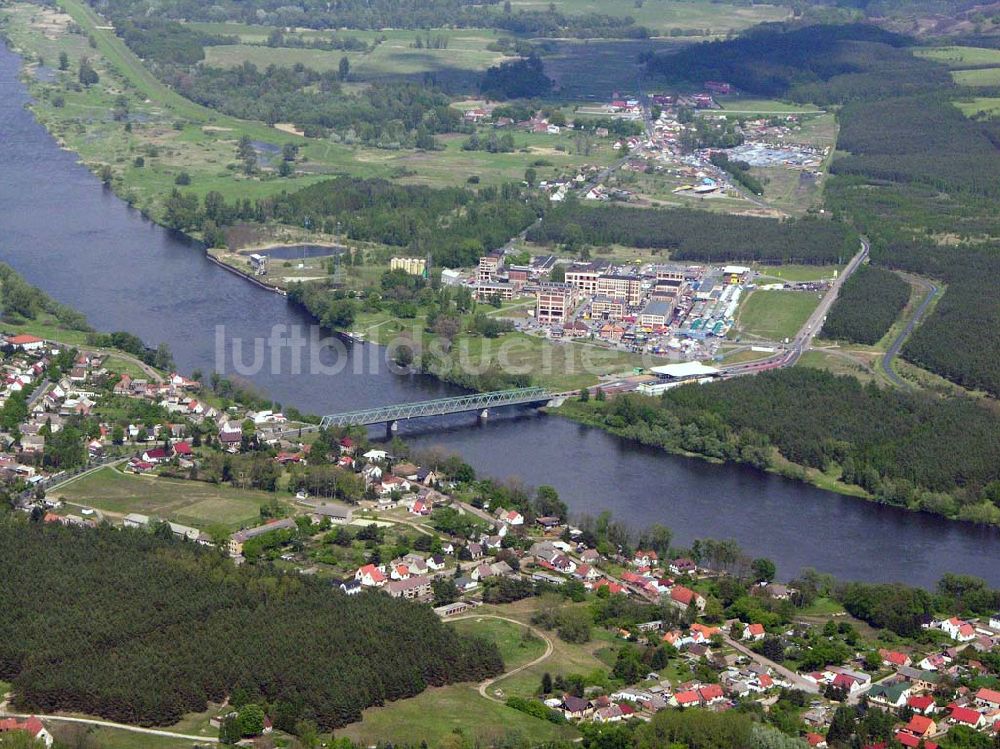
[804, 338]
[893, 350]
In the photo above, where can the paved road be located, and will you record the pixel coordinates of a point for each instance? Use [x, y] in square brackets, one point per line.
[118, 726]
[534, 630]
[793, 678]
[804, 338]
[893, 350]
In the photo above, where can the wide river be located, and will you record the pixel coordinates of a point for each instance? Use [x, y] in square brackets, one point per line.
[88, 249]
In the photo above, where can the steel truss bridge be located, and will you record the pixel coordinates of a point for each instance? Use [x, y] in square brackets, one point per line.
[480, 402]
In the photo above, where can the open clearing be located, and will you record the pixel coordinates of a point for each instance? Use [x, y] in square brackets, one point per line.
[437, 712]
[961, 57]
[990, 105]
[666, 15]
[795, 273]
[517, 644]
[776, 315]
[980, 77]
[189, 502]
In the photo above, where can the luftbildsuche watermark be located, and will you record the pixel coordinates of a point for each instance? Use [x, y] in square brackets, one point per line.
[292, 350]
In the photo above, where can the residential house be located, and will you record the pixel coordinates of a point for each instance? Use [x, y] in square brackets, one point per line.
[753, 632]
[892, 694]
[965, 716]
[370, 576]
[988, 698]
[413, 588]
[959, 630]
[683, 566]
[31, 726]
[922, 704]
[894, 658]
[683, 597]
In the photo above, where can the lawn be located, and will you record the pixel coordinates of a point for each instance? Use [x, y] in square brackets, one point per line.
[112, 738]
[838, 364]
[775, 315]
[438, 712]
[517, 643]
[189, 502]
[961, 57]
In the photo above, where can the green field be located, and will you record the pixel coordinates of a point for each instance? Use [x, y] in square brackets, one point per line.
[980, 77]
[775, 315]
[664, 15]
[188, 502]
[394, 57]
[990, 105]
[961, 57]
[517, 644]
[113, 738]
[795, 273]
[763, 106]
[438, 712]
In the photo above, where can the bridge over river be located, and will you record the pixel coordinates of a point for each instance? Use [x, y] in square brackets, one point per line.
[479, 402]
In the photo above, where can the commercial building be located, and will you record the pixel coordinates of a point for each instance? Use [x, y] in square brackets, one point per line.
[606, 308]
[583, 277]
[490, 265]
[485, 290]
[628, 288]
[656, 314]
[554, 303]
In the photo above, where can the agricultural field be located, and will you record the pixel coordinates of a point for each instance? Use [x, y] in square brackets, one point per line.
[187, 502]
[745, 105]
[395, 57]
[775, 315]
[960, 57]
[979, 77]
[663, 16]
[980, 106]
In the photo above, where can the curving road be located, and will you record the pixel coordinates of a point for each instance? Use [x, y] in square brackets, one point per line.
[893, 350]
[549, 647]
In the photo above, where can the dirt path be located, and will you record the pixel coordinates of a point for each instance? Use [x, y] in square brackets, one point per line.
[549, 648]
[118, 726]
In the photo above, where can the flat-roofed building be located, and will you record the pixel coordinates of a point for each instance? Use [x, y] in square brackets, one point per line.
[583, 277]
[606, 308]
[656, 314]
[554, 303]
[490, 265]
[485, 290]
[667, 290]
[617, 286]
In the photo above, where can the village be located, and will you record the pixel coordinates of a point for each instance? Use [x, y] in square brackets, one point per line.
[374, 520]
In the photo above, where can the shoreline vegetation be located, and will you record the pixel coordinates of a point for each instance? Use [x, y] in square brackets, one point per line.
[800, 423]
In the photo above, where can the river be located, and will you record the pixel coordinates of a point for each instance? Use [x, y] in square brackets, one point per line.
[68, 235]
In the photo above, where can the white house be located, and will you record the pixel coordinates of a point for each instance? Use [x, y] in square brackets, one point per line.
[958, 630]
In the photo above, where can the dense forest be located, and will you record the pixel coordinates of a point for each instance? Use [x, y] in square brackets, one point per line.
[383, 14]
[142, 630]
[697, 235]
[516, 79]
[868, 305]
[961, 339]
[907, 449]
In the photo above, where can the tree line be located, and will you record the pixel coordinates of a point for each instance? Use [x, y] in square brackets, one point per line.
[907, 449]
[690, 234]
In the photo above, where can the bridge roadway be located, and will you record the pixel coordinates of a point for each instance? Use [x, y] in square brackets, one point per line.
[480, 402]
